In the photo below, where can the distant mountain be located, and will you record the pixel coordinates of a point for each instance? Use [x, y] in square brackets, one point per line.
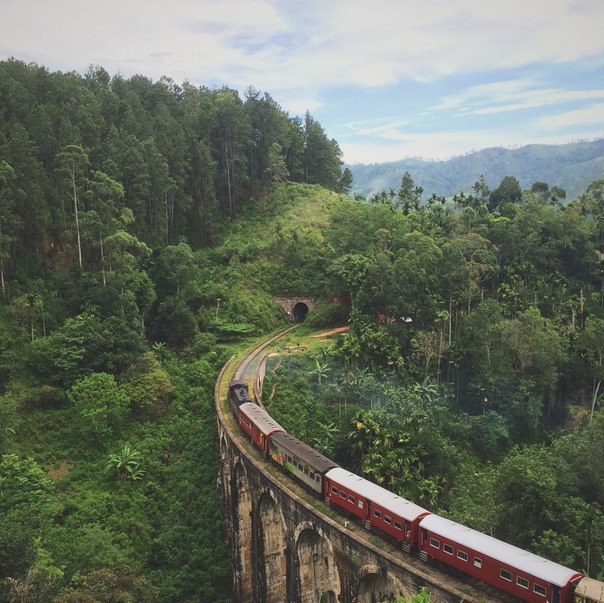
[570, 166]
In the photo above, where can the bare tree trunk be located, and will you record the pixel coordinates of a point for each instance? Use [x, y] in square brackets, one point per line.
[77, 220]
[594, 400]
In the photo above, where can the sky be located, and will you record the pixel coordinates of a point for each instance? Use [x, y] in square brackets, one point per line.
[388, 79]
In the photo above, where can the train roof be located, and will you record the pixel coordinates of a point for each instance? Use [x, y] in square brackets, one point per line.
[238, 383]
[260, 418]
[304, 452]
[384, 498]
[502, 551]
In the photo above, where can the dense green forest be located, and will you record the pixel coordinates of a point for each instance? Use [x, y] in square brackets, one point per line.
[144, 229]
[113, 196]
[469, 379]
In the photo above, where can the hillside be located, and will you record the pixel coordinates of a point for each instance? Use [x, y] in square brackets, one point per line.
[570, 166]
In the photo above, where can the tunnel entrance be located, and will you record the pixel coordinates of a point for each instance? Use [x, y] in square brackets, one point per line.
[300, 311]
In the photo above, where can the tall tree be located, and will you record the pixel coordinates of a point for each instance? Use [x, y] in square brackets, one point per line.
[8, 219]
[72, 162]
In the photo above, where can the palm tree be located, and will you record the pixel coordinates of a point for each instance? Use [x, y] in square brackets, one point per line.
[126, 464]
[321, 370]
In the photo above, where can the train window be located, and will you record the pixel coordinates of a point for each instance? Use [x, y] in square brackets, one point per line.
[397, 525]
[540, 590]
[520, 581]
[317, 477]
[351, 499]
[334, 490]
[447, 548]
[505, 575]
[387, 519]
[462, 555]
[477, 562]
[342, 494]
[289, 459]
[435, 543]
[360, 504]
[378, 514]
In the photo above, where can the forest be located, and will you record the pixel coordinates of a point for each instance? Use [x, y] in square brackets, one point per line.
[145, 228]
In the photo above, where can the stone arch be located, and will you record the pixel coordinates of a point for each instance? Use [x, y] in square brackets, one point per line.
[241, 502]
[272, 547]
[296, 308]
[376, 585]
[299, 311]
[224, 449]
[318, 578]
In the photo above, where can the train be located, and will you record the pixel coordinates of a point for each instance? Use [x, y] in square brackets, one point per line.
[416, 530]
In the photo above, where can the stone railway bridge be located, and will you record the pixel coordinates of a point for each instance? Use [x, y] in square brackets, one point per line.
[289, 547]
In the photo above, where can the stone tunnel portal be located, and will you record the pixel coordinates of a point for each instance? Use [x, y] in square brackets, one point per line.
[300, 311]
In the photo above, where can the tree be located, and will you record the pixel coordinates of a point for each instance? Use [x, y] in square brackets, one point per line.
[23, 482]
[345, 181]
[508, 191]
[591, 343]
[409, 194]
[8, 218]
[276, 169]
[72, 162]
[147, 385]
[101, 405]
[321, 370]
[106, 195]
[126, 464]
[322, 157]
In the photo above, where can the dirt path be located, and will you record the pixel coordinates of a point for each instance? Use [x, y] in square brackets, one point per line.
[332, 332]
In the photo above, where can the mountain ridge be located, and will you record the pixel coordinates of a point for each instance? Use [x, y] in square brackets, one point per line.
[571, 166]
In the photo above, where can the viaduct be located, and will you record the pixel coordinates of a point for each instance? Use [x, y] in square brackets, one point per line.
[289, 547]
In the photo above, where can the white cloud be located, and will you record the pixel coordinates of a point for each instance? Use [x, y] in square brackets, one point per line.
[297, 51]
[512, 95]
[587, 115]
[276, 44]
[444, 145]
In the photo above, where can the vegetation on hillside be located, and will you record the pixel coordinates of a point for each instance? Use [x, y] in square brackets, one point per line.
[144, 230]
[569, 166]
[116, 312]
[470, 378]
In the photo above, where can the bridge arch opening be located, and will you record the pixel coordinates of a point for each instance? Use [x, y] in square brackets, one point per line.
[272, 547]
[241, 501]
[374, 587]
[319, 579]
[299, 312]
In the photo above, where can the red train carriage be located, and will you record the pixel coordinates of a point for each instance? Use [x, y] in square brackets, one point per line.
[303, 462]
[376, 506]
[258, 424]
[525, 575]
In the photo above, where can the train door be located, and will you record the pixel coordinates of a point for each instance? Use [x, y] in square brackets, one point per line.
[555, 594]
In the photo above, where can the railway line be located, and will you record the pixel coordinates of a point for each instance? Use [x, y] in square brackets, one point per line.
[249, 370]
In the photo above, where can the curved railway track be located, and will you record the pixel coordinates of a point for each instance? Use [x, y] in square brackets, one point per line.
[249, 368]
